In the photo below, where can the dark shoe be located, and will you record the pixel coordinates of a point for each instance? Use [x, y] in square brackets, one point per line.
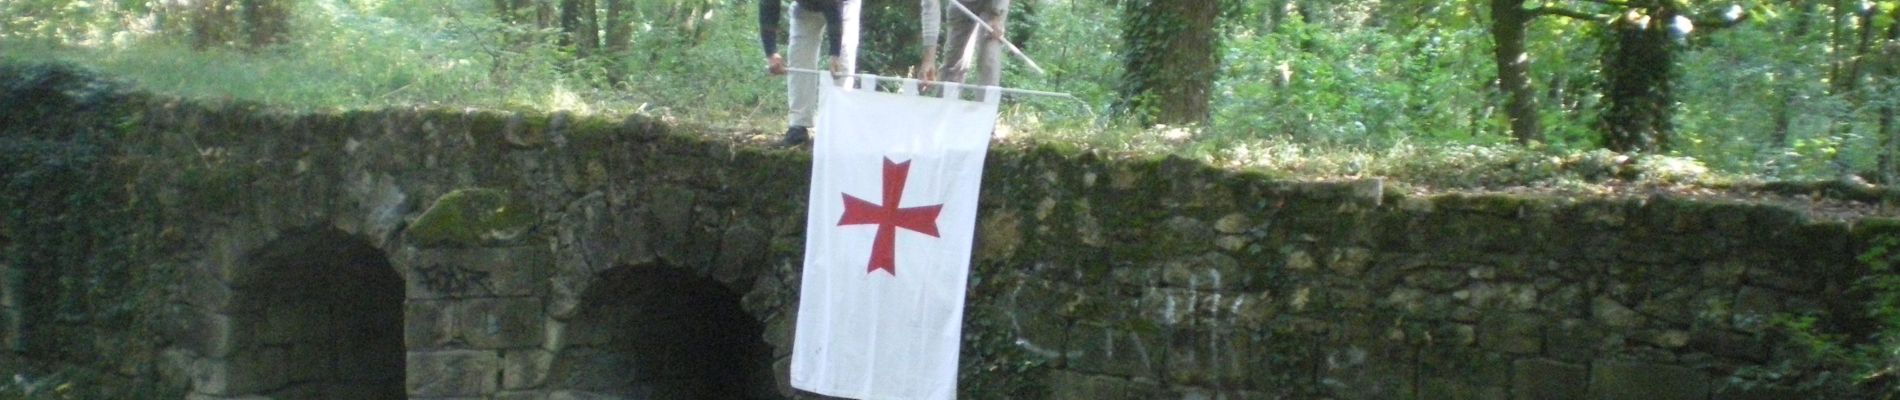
[796, 136]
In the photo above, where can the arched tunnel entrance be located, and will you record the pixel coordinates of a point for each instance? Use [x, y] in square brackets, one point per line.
[326, 309]
[656, 332]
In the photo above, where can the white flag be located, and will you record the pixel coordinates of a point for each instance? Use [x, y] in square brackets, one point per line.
[887, 243]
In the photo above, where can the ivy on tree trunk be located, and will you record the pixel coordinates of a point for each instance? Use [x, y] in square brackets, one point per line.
[1509, 22]
[1638, 65]
[1172, 54]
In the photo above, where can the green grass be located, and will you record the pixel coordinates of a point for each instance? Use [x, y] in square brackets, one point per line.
[348, 73]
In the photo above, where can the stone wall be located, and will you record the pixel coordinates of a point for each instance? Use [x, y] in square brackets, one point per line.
[560, 257]
[1164, 279]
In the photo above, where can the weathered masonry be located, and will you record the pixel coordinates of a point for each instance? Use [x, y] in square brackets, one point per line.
[439, 254]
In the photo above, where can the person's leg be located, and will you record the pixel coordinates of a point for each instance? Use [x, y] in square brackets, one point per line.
[807, 41]
[957, 45]
[989, 56]
[848, 41]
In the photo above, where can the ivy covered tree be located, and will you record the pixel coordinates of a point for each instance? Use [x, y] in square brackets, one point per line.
[1638, 65]
[251, 24]
[1171, 52]
[1509, 21]
[1640, 39]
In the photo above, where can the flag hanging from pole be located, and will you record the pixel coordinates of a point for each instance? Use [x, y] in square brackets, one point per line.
[887, 242]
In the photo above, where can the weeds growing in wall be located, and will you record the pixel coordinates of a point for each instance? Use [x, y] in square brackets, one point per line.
[1831, 361]
[70, 238]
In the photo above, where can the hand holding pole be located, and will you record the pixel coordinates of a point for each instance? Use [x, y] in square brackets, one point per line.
[999, 36]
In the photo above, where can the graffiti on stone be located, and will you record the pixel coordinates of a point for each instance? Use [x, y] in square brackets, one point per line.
[453, 279]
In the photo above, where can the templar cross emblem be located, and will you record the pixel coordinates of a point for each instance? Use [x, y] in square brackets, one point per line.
[888, 217]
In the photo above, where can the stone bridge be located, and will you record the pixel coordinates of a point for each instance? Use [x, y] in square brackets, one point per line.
[438, 254]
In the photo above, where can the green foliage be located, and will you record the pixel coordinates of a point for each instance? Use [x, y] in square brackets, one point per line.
[1877, 363]
[1834, 363]
[1317, 86]
[1081, 59]
[889, 44]
[64, 20]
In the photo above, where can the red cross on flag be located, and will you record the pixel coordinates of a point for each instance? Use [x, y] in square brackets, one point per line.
[887, 243]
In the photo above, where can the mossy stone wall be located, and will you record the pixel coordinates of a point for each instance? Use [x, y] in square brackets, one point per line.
[1095, 276]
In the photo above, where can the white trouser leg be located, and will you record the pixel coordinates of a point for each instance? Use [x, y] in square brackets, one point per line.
[807, 41]
[849, 41]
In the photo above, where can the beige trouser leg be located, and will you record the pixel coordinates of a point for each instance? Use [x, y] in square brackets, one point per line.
[970, 47]
[807, 43]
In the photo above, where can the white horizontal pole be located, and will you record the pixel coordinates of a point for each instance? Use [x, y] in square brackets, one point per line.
[982, 87]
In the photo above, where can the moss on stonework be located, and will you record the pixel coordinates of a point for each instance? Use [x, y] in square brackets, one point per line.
[486, 125]
[590, 127]
[1503, 205]
[217, 187]
[528, 129]
[472, 217]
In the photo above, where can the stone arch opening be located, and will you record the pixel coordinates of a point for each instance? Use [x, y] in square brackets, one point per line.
[325, 311]
[658, 332]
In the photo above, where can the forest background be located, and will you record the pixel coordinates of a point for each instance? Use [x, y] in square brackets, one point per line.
[1479, 93]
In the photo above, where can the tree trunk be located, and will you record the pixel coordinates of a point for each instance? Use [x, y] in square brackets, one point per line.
[1172, 55]
[1783, 121]
[1509, 22]
[590, 28]
[1638, 65]
[1784, 110]
[619, 27]
[516, 11]
[1315, 12]
[547, 14]
[1864, 27]
[1887, 150]
[1888, 66]
[1847, 78]
[1274, 15]
[212, 24]
[266, 22]
[578, 28]
[618, 41]
[1837, 42]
